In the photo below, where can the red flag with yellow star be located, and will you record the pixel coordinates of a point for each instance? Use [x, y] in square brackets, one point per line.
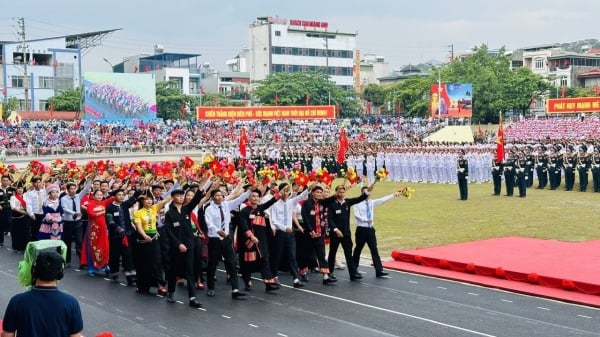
[500, 142]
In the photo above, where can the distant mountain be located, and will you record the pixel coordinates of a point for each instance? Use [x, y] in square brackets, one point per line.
[581, 46]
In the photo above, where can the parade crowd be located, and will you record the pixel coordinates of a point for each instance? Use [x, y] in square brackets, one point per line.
[59, 137]
[161, 233]
[168, 232]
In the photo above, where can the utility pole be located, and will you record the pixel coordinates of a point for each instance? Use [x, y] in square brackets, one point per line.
[327, 53]
[24, 51]
[451, 52]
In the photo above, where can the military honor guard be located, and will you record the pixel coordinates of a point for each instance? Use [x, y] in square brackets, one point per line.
[462, 172]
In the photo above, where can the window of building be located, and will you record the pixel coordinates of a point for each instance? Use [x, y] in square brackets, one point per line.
[277, 33]
[563, 81]
[17, 81]
[63, 83]
[43, 105]
[46, 82]
[539, 63]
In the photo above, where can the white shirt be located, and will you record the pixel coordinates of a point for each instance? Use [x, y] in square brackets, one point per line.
[361, 212]
[34, 199]
[281, 208]
[212, 215]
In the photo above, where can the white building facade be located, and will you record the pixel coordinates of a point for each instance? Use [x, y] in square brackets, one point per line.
[282, 45]
[46, 68]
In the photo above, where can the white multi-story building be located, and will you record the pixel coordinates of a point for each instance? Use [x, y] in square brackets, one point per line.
[47, 67]
[282, 45]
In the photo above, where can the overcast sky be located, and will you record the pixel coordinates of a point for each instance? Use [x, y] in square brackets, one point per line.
[404, 32]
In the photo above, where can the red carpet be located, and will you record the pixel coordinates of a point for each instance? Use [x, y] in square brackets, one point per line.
[568, 271]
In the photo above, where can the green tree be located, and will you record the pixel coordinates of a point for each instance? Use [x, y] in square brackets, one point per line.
[169, 100]
[519, 84]
[293, 89]
[67, 100]
[375, 94]
[8, 106]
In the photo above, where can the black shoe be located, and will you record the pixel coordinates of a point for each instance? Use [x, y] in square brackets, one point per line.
[327, 281]
[381, 274]
[210, 293]
[131, 280]
[237, 294]
[356, 276]
[298, 284]
[331, 276]
[271, 287]
[194, 304]
[170, 298]
[303, 278]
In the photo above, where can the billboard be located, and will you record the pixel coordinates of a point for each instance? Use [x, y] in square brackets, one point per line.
[452, 100]
[572, 105]
[119, 97]
[265, 112]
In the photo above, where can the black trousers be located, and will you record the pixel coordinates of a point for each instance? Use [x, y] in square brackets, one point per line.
[35, 226]
[73, 232]
[462, 187]
[542, 174]
[119, 252]
[509, 181]
[569, 179]
[596, 179]
[182, 264]
[522, 185]
[218, 249]
[583, 180]
[367, 235]
[317, 246]
[346, 242]
[284, 243]
[5, 222]
[149, 271]
[497, 179]
[20, 232]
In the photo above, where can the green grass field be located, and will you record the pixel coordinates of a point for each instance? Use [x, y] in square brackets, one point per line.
[434, 216]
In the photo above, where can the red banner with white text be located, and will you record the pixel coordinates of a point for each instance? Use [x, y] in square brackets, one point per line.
[265, 112]
[572, 105]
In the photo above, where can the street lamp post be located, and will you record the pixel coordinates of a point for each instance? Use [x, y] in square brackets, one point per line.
[112, 67]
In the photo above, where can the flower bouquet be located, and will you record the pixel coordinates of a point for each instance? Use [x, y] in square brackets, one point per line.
[351, 176]
[381, 174]
[407, 192]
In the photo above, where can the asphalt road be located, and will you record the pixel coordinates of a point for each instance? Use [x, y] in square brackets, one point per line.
[402, 305]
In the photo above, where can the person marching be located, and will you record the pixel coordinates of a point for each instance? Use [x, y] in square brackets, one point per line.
[584, 162]
[148, 254]
[365, 230]
[6, 192]
[180, 231]
[220, 242]
[595, 164]
[497, 168]
[340, 234]
[313, 217]
[462, 169]
[521, 172]
[569, 164]
[541, 167]
[253, 241]
[285, 241]
[120, 229]
[509, 174]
